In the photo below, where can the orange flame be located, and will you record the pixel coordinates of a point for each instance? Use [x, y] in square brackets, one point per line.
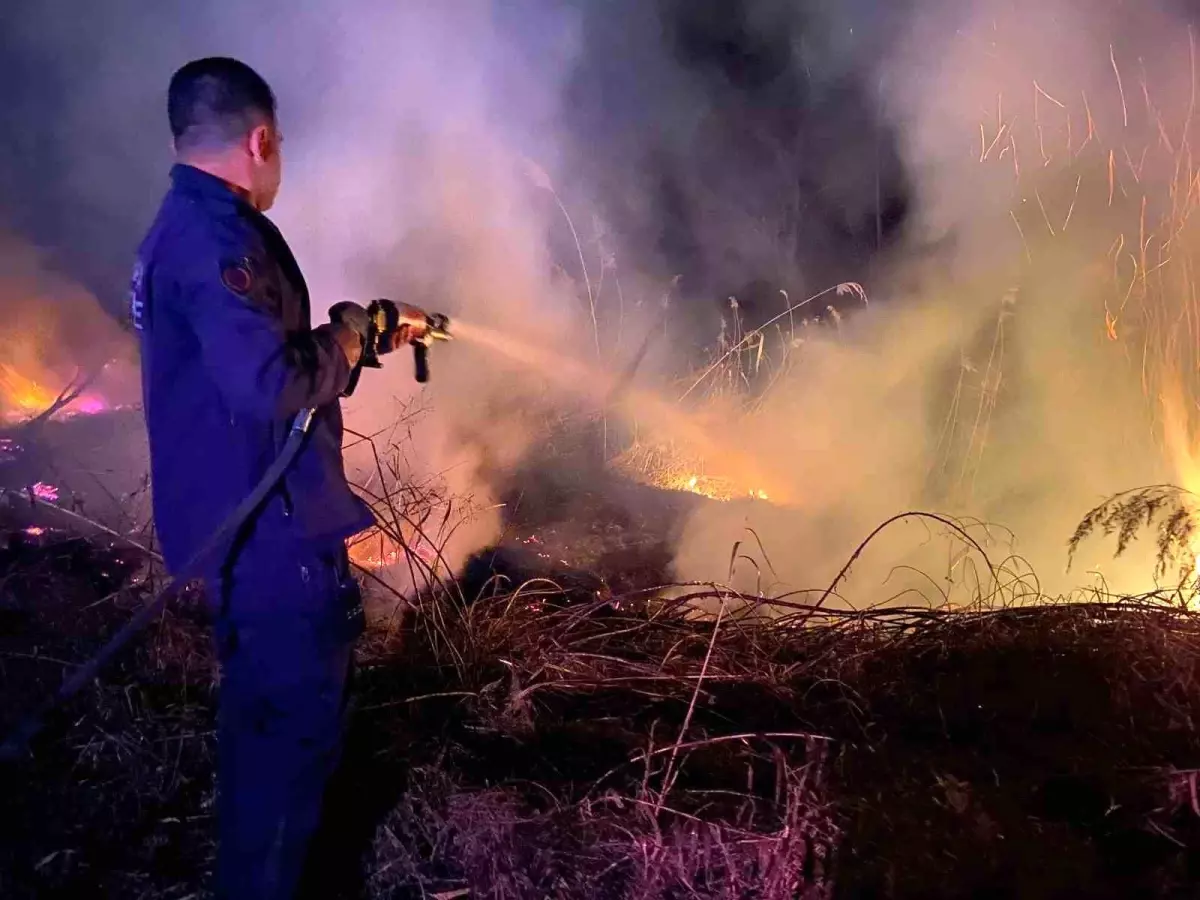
[707, 486]
[377, 549]
[1180, 439]
[24, 395]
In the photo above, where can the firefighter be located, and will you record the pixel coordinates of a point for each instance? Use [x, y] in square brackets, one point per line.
[228, 358]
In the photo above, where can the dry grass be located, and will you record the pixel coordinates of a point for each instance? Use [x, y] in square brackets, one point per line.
[1168, 511]
[415, 518]
[535, 742]
[116, 799]
[937, 752]
[542, 743]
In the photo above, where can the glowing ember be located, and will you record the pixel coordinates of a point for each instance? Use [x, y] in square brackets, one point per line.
[89, 405]
[379, 551]
[706, 486]
[672, 466]
[35, 531]
[46, 492]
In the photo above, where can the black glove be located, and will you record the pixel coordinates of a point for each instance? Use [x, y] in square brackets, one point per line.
[352, 316]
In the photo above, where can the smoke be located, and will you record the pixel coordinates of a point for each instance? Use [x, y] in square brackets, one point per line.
[1012, 377]
[55, 333]
[561, 169]
[405, 177]
[737, 145]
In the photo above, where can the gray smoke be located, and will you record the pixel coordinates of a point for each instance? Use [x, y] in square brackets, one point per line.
[726, 142]
[702, 149]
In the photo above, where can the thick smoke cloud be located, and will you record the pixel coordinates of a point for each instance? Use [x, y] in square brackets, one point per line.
[1015, 378]
[727, 143]
[402, 179]
[409, 130]
[746, 147]
[741, 146]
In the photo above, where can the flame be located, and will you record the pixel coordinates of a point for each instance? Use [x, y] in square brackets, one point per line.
[1181, 447]
[55, 333]
[378, 550]
[673, 466]
[24, 394]
[692, 436]
[46, 492]
[712, 487]
[375, 552]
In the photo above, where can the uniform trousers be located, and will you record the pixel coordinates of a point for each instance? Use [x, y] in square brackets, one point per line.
[285, 629]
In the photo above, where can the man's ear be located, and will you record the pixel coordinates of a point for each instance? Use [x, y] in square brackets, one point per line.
[262, 143]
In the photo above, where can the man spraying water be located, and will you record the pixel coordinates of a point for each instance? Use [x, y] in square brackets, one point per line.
[229, 363]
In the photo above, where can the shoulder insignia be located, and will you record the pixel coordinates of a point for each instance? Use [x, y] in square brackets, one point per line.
[238, 277]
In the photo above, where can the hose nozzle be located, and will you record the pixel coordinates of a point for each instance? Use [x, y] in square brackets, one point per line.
[394, 324]
[438, 327]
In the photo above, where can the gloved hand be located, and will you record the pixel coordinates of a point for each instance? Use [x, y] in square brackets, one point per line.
[351, 330]
[384, 327]
[352, 316]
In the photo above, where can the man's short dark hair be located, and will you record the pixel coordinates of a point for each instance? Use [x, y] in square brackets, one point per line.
[213, 102]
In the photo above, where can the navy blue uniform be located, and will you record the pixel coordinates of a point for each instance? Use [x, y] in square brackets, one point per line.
[228, 358]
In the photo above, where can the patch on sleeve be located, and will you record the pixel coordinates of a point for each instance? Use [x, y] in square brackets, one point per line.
[238, 277]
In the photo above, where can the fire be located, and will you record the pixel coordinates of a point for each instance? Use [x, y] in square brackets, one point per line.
[22, 396]
[375, 552]
[56, 334]
[671, 466]
[46, 492]
[1181, 446]
[712, 487]
[380, 551]
[22, 393]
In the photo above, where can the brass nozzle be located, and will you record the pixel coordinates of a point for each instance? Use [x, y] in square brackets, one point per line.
[439, 327]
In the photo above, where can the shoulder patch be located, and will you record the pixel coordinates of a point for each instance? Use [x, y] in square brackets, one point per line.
[238, 277]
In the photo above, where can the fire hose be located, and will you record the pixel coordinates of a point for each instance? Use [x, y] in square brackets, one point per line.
[386, 318]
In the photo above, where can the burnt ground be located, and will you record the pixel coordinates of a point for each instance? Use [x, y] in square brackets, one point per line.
[499, 748]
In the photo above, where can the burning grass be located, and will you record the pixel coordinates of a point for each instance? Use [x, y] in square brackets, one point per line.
[544, 739]
[670, 467]
[544, 742]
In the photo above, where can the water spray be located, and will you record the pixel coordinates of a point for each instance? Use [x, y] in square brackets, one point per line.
[616, 393]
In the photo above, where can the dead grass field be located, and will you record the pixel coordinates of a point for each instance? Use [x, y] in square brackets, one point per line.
[559, 742]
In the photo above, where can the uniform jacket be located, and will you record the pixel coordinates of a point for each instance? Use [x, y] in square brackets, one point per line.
[229, 356]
